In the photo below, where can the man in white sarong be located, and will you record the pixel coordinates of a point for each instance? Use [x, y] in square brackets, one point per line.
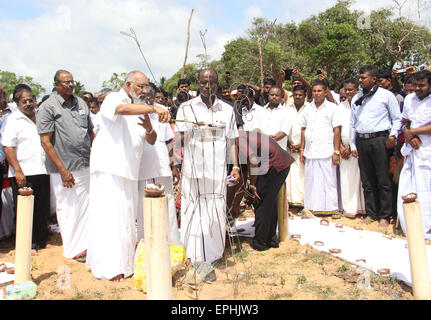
[115, 162]
[320, 152]
[156, 168]
[295, 178]
[352, 196]
[203, 189]
[66, 133]
[416, 173]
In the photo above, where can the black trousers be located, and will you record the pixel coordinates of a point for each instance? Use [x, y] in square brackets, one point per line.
[375, 177]
[41, 191]
[266, 210]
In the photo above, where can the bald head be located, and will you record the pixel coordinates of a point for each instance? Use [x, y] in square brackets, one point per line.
[135, 84]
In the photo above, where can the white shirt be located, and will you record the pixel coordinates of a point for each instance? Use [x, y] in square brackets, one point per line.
[344, 111]
[95, 119]
[275, 120]
[419, 113]
[20, 132]
[164, 134]
[295, 131]
[119, 144]
[206, 149]
[319, 134]
[251, 116]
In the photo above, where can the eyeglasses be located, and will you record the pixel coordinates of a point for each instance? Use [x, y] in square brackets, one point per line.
[68, 82]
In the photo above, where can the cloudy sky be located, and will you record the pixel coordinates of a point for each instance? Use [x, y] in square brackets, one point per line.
[39, 37]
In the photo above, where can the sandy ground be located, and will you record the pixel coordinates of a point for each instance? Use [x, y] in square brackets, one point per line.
[291, 272]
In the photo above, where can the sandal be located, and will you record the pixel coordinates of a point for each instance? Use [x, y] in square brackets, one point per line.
[336, 216]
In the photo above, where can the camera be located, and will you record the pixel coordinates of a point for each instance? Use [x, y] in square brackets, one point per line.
[288, 74]
[319, 72]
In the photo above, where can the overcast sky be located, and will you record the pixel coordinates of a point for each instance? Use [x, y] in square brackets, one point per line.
[39, 37]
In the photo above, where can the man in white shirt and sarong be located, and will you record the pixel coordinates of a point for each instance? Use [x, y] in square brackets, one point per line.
[320, 152]
[66, 133]
[352, 195]
[208, 130]
[415, 175]
[115, 162]
[295, 178]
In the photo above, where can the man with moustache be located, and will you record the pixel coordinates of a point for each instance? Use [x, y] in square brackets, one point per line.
[115, 162]
[416, 173]
[374, 125]
[208, 131]
[26, 159]
[320, 152]
[66, 133]
[352, 196]
[275, 121]
[295, 178]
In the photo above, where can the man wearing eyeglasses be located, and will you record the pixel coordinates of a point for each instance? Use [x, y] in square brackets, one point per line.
[66, 133]
[125, 133]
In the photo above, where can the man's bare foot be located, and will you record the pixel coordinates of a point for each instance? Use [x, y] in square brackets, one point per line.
[383, 224]
[117, 278]
[368, 220]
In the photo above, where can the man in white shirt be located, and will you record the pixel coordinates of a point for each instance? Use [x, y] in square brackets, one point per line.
[276, 120]
[352, 196]
[250, 111]
[26, 159]
[206, 147]
[114, 165]
[295, 178]
[320, 152]
[416, 173]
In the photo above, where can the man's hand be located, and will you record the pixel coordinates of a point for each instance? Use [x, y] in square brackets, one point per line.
[20, 179]
[254, 191]
[296, 73]
[415, 142]
[236, 176]
[175, 175]
[164, 115]
[408, 135]
[355, 154]
[301, 156]
[345, 152]
[295, 148]
[67, 178]
[391, 142]
[145, 123]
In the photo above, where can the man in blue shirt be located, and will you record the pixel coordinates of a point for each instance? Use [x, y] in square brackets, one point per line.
[374, 124]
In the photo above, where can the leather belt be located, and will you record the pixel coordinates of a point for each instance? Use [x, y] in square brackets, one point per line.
[372, 135]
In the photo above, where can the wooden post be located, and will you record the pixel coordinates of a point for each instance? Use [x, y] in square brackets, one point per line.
[417, 251]
[259, 44]
[187, 46]
[24, 232]
[283, 214]
[157, 249]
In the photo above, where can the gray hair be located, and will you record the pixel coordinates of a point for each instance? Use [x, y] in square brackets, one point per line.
[130, 77]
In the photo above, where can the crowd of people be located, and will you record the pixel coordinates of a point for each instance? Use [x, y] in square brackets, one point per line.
[90, 157]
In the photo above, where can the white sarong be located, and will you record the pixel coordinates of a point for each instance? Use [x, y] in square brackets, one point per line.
[295, 182]
[352, 195]
[320, 185]
[203, 218]
[416, 177]
[72, 211]
[174, 234]
[112, 239]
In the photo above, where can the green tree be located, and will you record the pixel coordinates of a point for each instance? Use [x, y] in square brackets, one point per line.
[10, 80]
[190, 73]
[116, 82]
[79, 89]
